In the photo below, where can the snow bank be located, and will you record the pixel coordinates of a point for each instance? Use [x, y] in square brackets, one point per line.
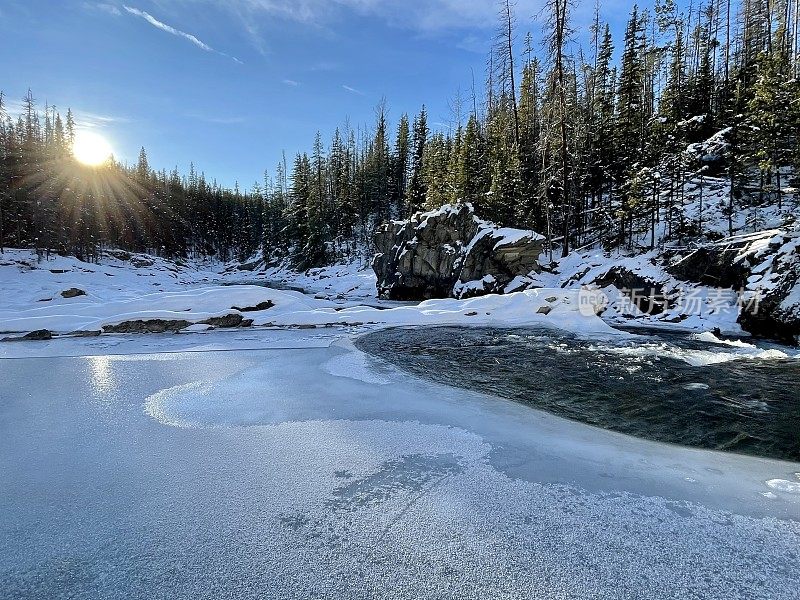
[351, 280]
[116, 293]
[544, 307]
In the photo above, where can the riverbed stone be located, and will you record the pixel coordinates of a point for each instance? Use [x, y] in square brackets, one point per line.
[147, 326]
[73, 293]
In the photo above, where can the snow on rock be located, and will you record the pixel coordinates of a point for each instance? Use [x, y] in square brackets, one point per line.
[637, 290]
[451, 252]
[746, 283]
[764, 268]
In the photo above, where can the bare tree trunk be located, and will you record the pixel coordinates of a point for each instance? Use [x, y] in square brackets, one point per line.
[560, 7]
[702, 181]
[653, 215]
[795, 47]
[727, 44]
[508, 41]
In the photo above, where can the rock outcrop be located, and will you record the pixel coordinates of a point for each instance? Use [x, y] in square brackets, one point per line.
[451, 252]
[764, 268]
[645, 293]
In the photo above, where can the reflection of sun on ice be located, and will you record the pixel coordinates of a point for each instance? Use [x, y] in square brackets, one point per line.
[102, 374]
[91, 149]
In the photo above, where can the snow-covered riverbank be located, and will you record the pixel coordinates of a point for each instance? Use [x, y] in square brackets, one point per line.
[66, 296]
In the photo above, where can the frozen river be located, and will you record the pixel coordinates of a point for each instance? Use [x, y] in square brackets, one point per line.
[306, 469]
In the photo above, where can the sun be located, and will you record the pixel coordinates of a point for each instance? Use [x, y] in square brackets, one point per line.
[91, 149]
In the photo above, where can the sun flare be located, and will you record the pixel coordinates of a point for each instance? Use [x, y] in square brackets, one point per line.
[91, 149]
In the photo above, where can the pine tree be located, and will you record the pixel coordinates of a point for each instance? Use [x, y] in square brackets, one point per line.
[417, 191]
[400, 166]
[471, 181]
[529, 211]
[557, 38]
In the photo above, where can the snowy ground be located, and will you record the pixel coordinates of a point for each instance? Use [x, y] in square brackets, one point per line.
[32, 299]
[352, 281]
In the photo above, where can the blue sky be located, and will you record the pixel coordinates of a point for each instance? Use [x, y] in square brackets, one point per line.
[229, 84]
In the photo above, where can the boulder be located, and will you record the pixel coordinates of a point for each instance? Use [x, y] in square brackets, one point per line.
[72, 293]
[266, 305]
[39, 335]
[33, 336]
[141, 262]
[226, 321]
[771, 300]
[86, 333]
[645, 293]
[715, 266]
[451, 252]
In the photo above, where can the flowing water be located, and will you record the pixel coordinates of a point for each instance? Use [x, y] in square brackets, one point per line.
[667, 387]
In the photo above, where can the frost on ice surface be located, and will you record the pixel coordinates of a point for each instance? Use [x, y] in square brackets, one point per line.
[160, 406]
[428, 506]
[261, 474]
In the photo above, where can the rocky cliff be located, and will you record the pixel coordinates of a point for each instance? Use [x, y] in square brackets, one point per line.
[451, 252]
[764, 268]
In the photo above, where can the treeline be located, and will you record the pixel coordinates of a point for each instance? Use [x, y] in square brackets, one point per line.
[51, 202]
[591, 146]
[594, 145]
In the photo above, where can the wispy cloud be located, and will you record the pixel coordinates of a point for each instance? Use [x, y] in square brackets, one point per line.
[420, 15]
[352, 90]
[291, 82]
[176, 32]
[105, 7]
[168, 28]
[89, 120]
[475, 43]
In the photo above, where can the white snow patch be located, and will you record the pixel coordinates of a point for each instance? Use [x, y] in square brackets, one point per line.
[710, 338]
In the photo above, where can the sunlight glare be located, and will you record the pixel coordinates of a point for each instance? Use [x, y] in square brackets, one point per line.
[91, 149]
